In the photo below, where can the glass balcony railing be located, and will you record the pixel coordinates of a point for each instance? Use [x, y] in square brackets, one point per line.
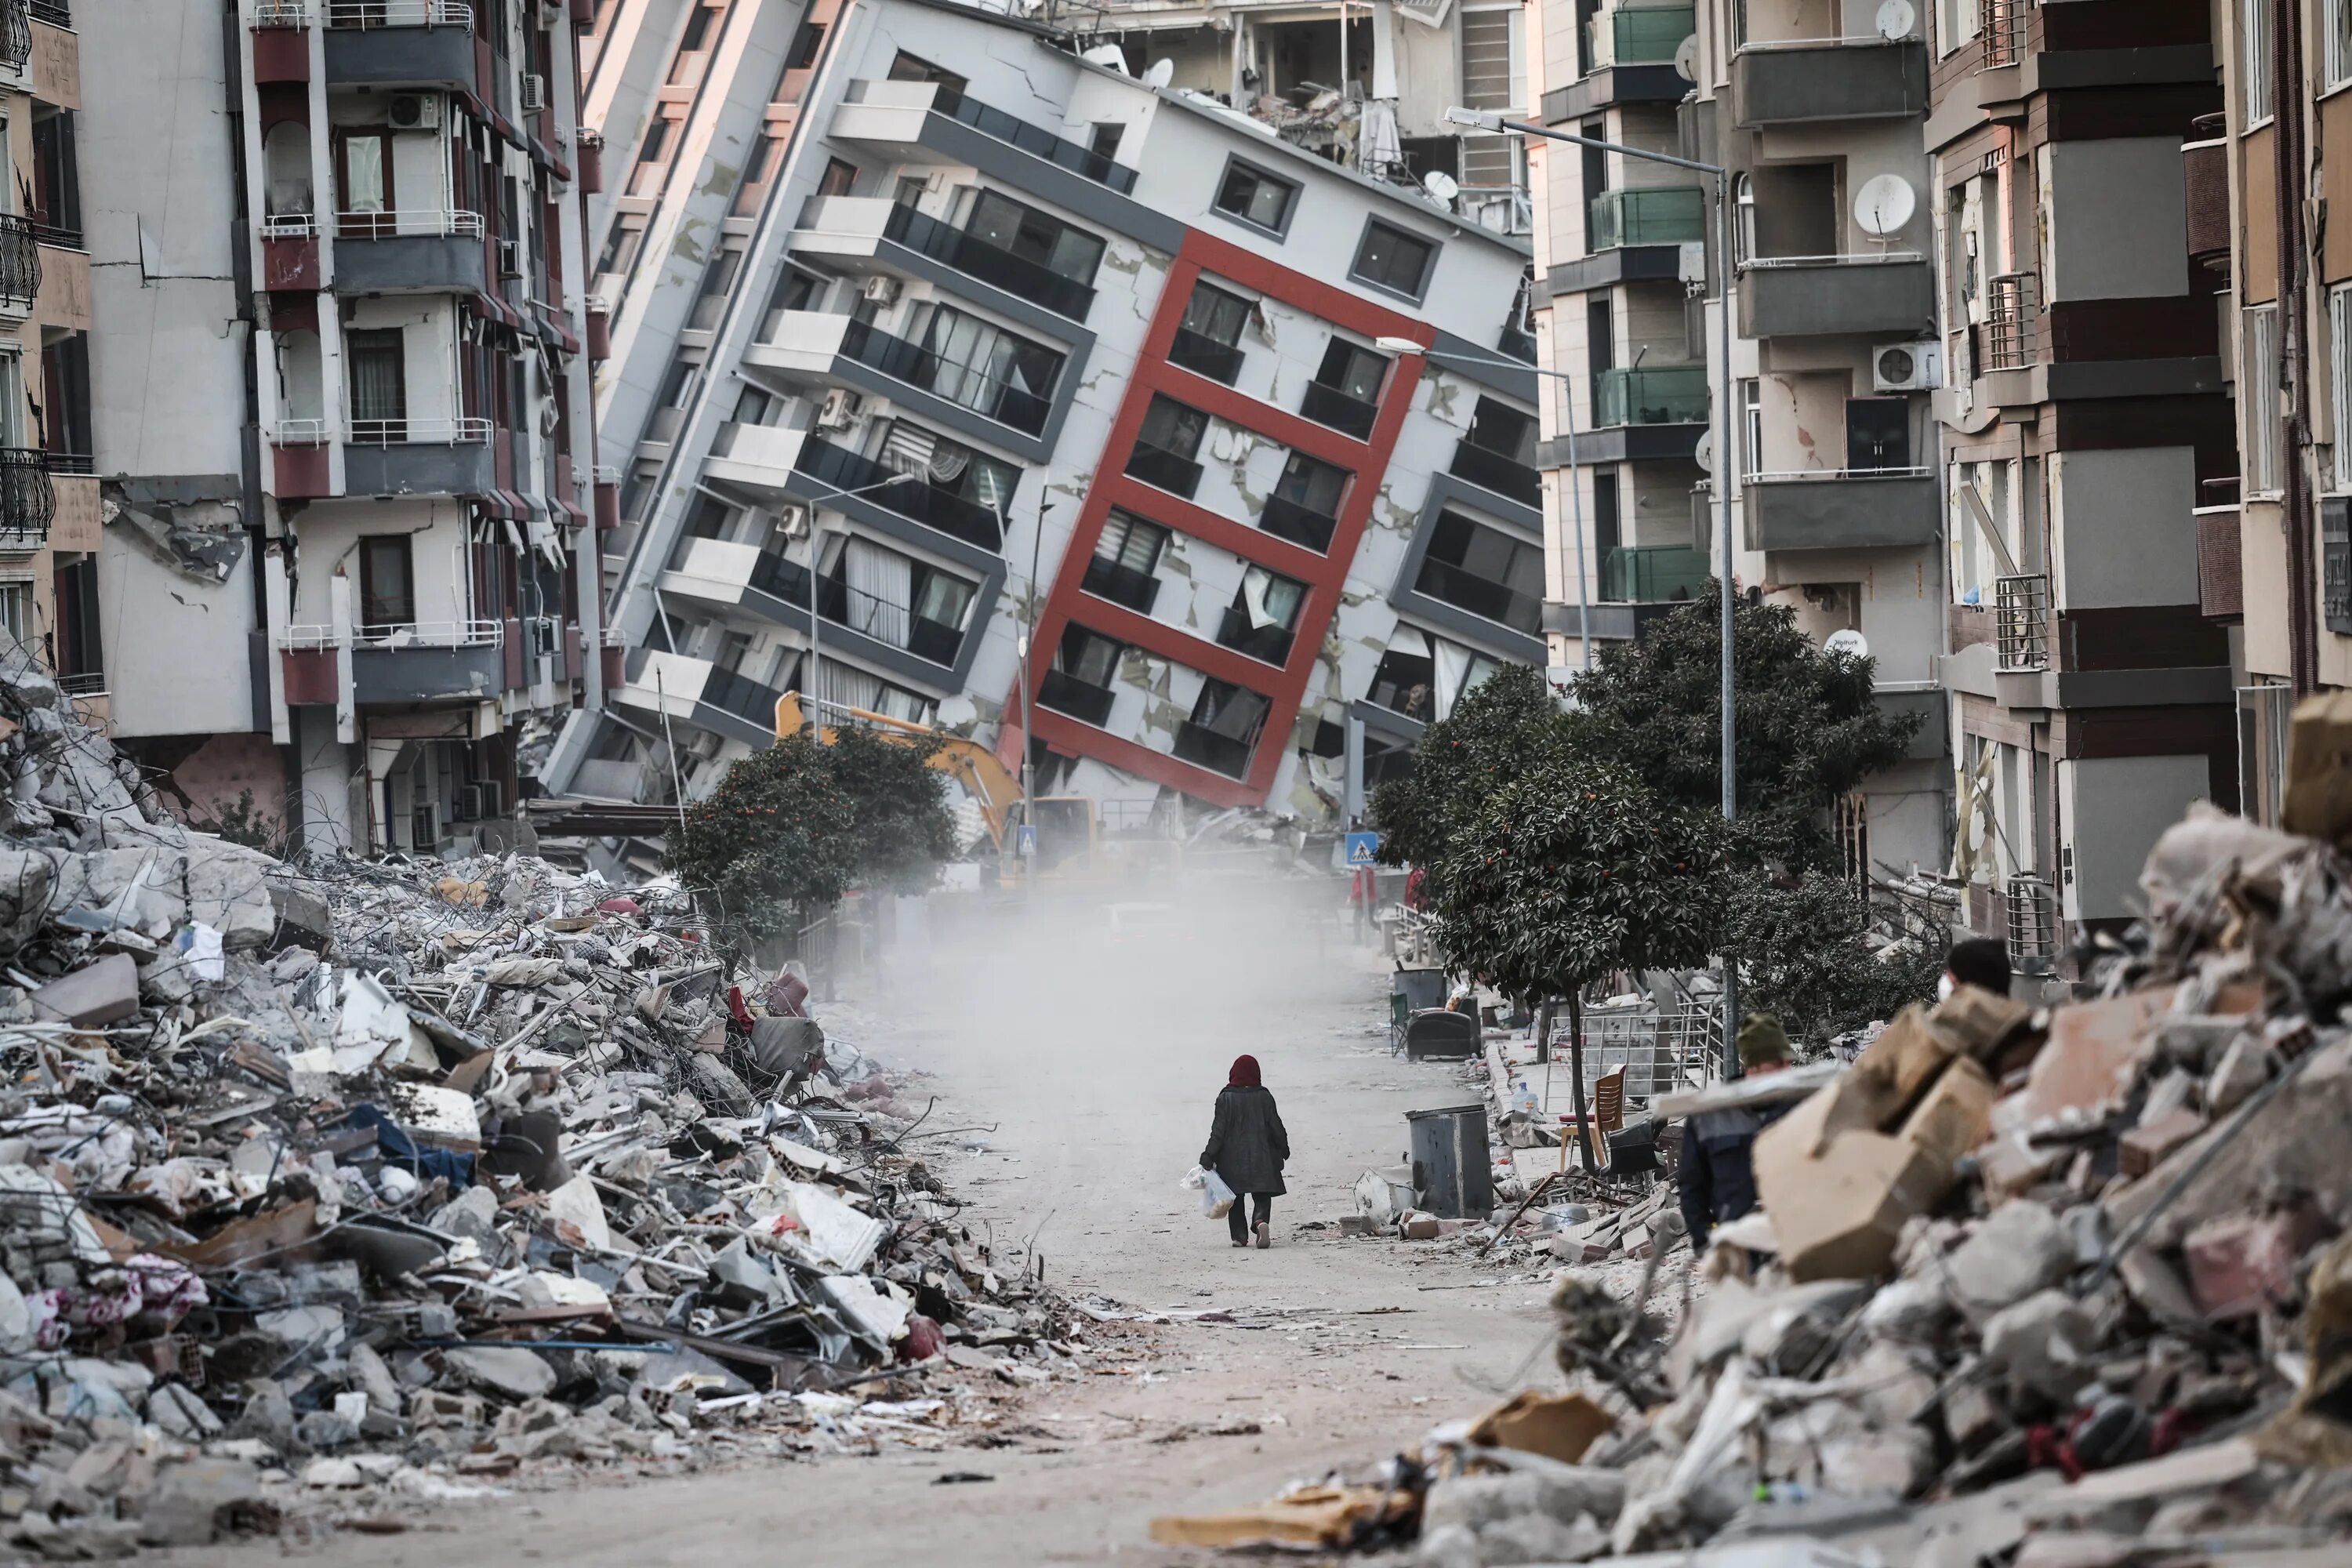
[1204, 747]
[840, 468]
[1204, 355]
[1106, 579]
[1665, 395]
[1003, 127]
[1299, 524]
[742, 696]
[1065, 693]
[1653, 573]
[1497, 471]
[1647, 215]
[1481, 596]
[991, 263]
[1270, 642]
[968, 387]
[1164, 469]
[1336, 410]
[1649, 35]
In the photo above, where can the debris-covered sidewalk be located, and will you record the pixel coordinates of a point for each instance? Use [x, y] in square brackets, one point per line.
[335, 1190]
[2029, 1286]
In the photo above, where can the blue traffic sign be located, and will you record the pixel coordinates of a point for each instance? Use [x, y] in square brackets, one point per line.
[1363, 849]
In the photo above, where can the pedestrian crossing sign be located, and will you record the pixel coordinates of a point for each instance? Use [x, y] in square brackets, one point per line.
[1363, 850]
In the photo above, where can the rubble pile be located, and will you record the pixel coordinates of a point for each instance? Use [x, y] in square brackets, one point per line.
[325, 1188]
[2028, 1285]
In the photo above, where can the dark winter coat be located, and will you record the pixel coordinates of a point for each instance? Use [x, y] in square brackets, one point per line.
[1715, 1180]
[1246, 1142]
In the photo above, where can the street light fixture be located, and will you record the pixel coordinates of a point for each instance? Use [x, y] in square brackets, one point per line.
[1575, 489]
[816, 703]
[1490, 121]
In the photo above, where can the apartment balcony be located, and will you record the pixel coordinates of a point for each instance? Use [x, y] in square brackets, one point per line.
[1854, 510]
[1301, 525]
[815, 346]
[930, 122]
[1662, 394]
[424, 252]
[418, 457]
[1653, 574]
[891, 624]
[699, 692]
[1519, 343]
[1106, 579]
[20, 266]
[1503, 474]
[1067, 694]
[1802, 81]
[1204, 748]
[1205, 357]
[400, 42]
[1336, 410]
[1480, 596]
[1164, 469]
[887, 236]
[28, 501]
[447, 662]
[1819, 296]
[2205, 172]
[588, 158]
[1647, 215]
[1644, 35]
[809, 467]
[2022, 623]
[1269, 643]
[597, 316]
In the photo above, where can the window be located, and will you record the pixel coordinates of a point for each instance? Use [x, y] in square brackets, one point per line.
[620, 248]
[1392, 259]
[980, 367]
[1607, 524]
[2340, 373]
[387, 581]
[363, 187]
[1743, 227]
[1087, 656]
[759, 177]
[1104, 142]
[1353, 369]
[57, 179]
[909, 192]
[697, 37]
[1311, 483]
[1131, 542]
[1035, 237]
[712, 518]
[1264, 616]
[1226, 719]
[80, 648]
[637, 494]
[2257, 398]
[1256, 197]
[914, 68]
[1213, 314]
[2254, 40]
[17, 616]
[2339, 24]
[1173, 427]
[65, 399]
[807, 44]
[1497, 427]
[840, 174]
[718, 282]
[1484, 571]
[379, 384]
[1751, 428]
[1405, 680]
[757, 406]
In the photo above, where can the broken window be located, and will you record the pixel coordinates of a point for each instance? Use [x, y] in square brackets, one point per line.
[914, 68]
[1206, 339]
[1405, 682]
[1035, 237]
[1224, 727]
[1085, 656]
[1485, 570]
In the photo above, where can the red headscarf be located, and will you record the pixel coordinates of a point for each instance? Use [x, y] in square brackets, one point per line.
[1245, 1072]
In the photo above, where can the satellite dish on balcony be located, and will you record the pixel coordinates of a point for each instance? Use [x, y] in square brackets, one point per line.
[1704, 453]
[1159, 73]
[1686, 59]
[1441, 187]
[1883, 205]
[1847, 641]
[1896, 20]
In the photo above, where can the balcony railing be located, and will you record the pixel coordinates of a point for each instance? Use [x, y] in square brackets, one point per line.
[990, 262]
[55, 13]
[781, 579]
[20, 263]
[399, 14]
[28, 502]
[893, 625]
[740, 695]
[1338, 410]
[2022, 623]
[1164, 469]
[429, 223]
[2003, 25]
[1481, 596]
[1499, 472]
[1667, 394]
[1204, 355]
[840, 468]
[1270, 642]
[1065, 693]
[2011, 326]
[68, 462]
[1003, 127]
[16, 36]
[1519, 343]
[1649, 35]
[1653, 573]
[1204, 748]
[292, 14]
[86, 683]
[2032, 921]
[1108, 579]
[414, 432]
[1299, 524]
[1647, 215]
[984, 393]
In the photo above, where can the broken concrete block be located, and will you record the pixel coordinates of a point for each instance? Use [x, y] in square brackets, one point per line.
[1953, 1116]
[2244, 1067]
[2146, 1146]
[191, 1498]
[2318, 801]
[2296, 1141]
[103, 993]
[27, 876]
[2243, 1264]
[2094, 1051]
[1884, 1080]
[1558, 1426]
[2020, 1248]
[2047, 1344]
[512, 1372]
[1420, 1227]
[303, 918]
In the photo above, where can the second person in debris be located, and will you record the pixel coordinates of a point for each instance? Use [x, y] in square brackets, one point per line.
[1247, 1147]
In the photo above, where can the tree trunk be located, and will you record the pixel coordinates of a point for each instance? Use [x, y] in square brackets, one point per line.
[1576, 1074]
[1543, 1033]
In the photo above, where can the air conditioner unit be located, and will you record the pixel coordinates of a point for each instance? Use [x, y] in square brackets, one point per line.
[469, 803]
[880, 291]
[414, 111]
[425, 827]
[534, 92]
[1907, 367]
[840, 409]
[793, 519]
[510, 258]
[494, 797]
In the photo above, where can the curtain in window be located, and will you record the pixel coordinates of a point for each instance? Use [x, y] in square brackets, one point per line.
[1234, 711]
[881, 589]
[1130, 543]
[1453, 674]
[1273, 601]
[967, 351]
[908, 447]
[943, 600]
[848, 686]
[376, 384]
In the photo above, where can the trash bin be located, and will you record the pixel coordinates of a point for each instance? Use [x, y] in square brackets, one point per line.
[1450, 1171]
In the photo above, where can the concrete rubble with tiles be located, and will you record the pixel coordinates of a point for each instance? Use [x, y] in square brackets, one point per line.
[2032, 1286]
[346, 1187]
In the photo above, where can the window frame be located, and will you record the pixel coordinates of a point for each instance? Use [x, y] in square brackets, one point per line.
[1290, 204]
[2339, 381]
[2335, 44]
[2258, 394]
[1374, 225]
[2257, 29]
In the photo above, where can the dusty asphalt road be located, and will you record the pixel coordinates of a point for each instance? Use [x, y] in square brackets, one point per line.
[1097, 1053]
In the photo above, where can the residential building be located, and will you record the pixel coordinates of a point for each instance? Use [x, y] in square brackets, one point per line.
[947, 330]
[337, 277]
[2084, 422]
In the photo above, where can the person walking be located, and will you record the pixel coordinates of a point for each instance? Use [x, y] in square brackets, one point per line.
[1715, 1179]
[1247, 1147]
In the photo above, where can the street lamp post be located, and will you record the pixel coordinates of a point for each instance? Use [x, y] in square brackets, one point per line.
[1575, 489]
[814, 716]
[1489, 120]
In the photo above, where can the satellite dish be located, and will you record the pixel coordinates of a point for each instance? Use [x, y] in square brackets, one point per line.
[1110, 56]
[1686, 59]
[1442, 187]
[1883, 205]
[1896, 20]
[1704, 453]
[1849, 642]
[1159, 73]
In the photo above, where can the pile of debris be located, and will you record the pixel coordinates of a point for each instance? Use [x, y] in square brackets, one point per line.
[336, 1184]
[2028, 1285]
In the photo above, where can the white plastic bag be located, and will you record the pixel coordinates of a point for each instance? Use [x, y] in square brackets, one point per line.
[1215, 1196]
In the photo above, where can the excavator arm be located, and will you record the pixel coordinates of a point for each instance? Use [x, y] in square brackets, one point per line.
[989, 782]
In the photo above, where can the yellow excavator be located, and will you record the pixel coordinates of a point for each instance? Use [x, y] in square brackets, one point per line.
[1071, 849]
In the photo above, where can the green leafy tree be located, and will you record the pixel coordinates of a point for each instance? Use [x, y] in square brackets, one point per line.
[1807, 956]
[791, 828]
[1571, 871]
[1510, 724]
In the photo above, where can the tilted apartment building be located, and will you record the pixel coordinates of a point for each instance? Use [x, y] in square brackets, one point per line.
[340, 412]
[941, 330]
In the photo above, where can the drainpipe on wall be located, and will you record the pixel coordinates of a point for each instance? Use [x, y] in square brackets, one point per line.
[2287, 163]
